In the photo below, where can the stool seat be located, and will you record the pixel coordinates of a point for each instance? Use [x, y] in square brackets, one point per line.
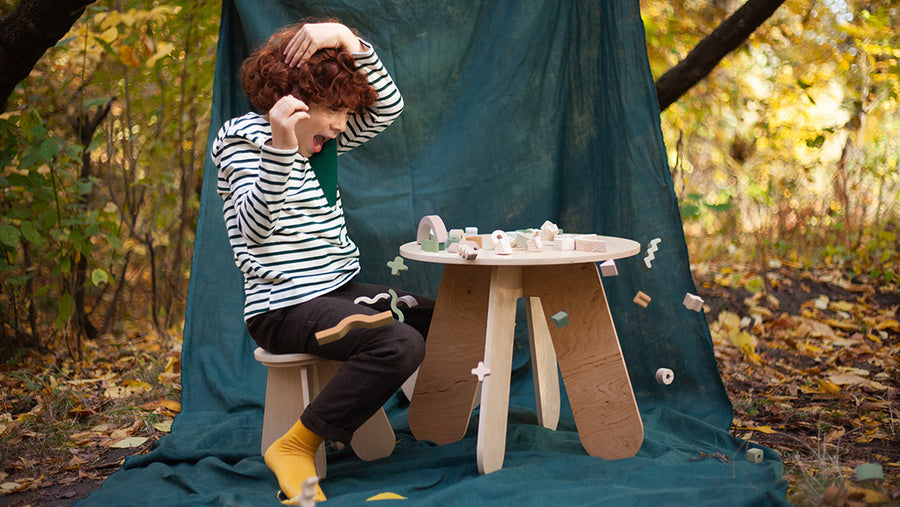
[293, 381]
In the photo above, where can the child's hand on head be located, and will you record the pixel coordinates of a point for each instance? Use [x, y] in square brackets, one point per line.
[283, 117]
[315, 36]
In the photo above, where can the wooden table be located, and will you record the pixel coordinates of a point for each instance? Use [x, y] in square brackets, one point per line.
[474, 320]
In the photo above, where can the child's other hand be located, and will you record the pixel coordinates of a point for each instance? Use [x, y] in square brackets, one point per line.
[283, 117]
[315, 36]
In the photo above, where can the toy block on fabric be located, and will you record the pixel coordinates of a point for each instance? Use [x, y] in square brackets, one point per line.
[651, 254]
[432, 225]
[371, 300]
[394, 307]
[560, 319]
[755, 455]
[397, 265]
[590, 243]
[481, 371]
[351, 322]
[641, 299]
[307, 497]
[665, 376]
[608, 268]
[693, 302]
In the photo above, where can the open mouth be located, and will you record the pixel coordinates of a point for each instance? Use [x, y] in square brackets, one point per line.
[318, 142]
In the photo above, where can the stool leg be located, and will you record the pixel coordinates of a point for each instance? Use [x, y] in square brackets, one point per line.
[283, 405]
[543, 365]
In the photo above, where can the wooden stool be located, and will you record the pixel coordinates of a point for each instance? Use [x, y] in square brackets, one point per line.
[292, 383]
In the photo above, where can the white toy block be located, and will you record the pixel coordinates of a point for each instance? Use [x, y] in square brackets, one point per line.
[534, 244]
[471, 231]
[755, 455]
[651, 251]
[665, 376]
[693, 302]
[564, 244]
[608, 268]
[456, 234]
[481, 371]
[468, 250]
[549, 231]
[501, 242]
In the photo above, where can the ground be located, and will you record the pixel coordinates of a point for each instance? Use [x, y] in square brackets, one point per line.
[809, 360]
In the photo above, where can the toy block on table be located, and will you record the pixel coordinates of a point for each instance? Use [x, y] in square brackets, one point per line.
[470, 231]
[693, 302]
[549, 230]
[468, 250]
[560, 319]
[456, 234]
[351, 322]
[534, 244]
[641, 299]
[608, 268]
[477, 239]
[432, 225]
[397, 265]
[590, 243]
[522, 237]
[665, 376]
[481, 371]
[564, 244]
[501, 242]
[652, 248]
[430, 245]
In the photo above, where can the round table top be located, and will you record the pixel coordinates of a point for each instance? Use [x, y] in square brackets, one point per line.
[616, 248]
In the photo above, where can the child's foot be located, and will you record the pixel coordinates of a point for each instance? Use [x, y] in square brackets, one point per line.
[292, 458]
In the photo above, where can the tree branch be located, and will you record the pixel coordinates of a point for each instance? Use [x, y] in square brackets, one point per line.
[27, 32]
[709, 52]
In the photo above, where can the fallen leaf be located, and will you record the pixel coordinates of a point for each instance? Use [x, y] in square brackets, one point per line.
[129, 443]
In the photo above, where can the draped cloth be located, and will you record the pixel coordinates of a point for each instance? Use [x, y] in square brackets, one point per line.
[516, 113]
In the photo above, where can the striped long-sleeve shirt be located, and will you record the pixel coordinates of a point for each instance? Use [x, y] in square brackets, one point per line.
[290, 244]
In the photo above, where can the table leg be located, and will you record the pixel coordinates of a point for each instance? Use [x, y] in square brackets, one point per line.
[543, 365]
[445, 388]
[590, 358]
[506, 288]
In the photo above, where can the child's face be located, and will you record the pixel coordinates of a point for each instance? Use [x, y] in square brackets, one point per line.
[325, 122]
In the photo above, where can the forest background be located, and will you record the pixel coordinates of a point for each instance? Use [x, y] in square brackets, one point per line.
[785, 155]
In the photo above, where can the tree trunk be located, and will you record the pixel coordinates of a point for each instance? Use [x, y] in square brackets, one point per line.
[709, 52]
[27, 32]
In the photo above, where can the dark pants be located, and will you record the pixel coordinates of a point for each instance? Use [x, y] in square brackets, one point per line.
[376, 361]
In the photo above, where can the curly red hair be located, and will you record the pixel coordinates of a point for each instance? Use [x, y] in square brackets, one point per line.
[329, 77]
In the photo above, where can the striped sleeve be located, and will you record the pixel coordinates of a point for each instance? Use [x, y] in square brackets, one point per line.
[253, 181]
[387, 107]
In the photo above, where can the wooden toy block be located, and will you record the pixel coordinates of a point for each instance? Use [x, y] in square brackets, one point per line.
[432, 225]
[641, 299]
[608, 268]
[456, 234]
[755, 455]
[430, 245]
[307, 497]
[481, 371]
[468, 250]
[590, 243]
[560, 319]
[394, 308]
[693, 302]
[650, 255]
[471, 231]
[534, 244]
[501, 242]
[371, 300]
[397, 265]
[549, 230]
[665, 376]
[522, 237]
[564, 244]
[350, 322]
[476, 239]
[409, 300]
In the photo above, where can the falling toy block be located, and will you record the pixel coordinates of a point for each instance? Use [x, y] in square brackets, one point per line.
[665, 376]
[560, 319]
[693, 302]
[608, 268]
[641, 299]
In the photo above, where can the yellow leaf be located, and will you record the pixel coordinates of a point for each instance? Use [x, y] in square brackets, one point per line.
[129, 443]
[730, 320]
[165, 426]
[109, 35]
[164, 50]
[842, 306]
[385, 496]
[888, 324]
[128, 56]
[826, 386]
[137, 384]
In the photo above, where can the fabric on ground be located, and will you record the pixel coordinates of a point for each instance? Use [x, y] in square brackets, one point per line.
[516, 112]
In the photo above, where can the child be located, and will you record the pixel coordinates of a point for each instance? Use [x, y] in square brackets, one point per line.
[313, 82]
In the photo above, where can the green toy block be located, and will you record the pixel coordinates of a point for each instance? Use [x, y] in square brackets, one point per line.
[560, 319]
[430, 245]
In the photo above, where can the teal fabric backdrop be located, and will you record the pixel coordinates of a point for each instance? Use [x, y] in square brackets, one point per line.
[516, 112]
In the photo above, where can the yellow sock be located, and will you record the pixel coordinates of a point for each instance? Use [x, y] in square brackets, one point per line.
[292, 458]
